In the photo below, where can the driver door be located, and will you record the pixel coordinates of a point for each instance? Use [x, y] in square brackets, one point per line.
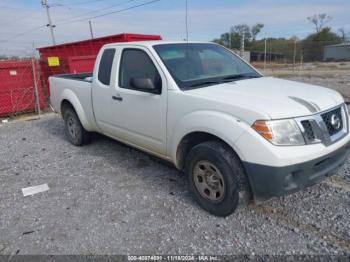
[139, 115]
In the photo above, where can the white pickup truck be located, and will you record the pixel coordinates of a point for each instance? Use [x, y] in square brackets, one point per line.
[234, 132]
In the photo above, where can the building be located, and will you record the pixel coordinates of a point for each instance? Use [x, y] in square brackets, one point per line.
[256, 56]
[340, 52]
[246, 54]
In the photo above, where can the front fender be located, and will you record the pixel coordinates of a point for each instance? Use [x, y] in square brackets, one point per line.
[222, 125]
[69, 95]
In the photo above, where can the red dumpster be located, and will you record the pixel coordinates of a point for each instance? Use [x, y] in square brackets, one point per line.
[17, 93]
[78, 57]
[81, 64]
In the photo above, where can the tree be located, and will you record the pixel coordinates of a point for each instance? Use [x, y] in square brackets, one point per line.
[319, 21]
[242, 29]
[343, 34]
[232, 38]
[314, 44]
[255, 30]
[223, 40]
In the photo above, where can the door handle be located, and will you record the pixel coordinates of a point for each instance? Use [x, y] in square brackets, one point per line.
[119, 98]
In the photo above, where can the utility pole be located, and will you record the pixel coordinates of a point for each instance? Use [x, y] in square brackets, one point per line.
[265, 54]
[45, 4]
[92, 35]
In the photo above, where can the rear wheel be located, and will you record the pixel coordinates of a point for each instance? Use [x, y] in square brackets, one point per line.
[74, 130]
[216, 178]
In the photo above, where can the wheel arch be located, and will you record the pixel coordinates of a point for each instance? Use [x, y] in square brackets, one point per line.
[189, 141]
[201, 126]
[65, 104]
[194, 138]
[69, 99]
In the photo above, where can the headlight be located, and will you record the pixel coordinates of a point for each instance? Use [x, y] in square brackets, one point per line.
[280, 132]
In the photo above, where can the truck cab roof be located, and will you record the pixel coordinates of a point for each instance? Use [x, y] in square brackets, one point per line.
[153, 43]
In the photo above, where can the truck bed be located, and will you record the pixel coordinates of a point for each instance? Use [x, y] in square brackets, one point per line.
[78, 88]
[86, 77]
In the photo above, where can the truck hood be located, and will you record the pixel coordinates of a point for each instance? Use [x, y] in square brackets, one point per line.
[275, 97]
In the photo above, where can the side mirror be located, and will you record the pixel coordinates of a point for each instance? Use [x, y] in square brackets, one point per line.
[144, 84]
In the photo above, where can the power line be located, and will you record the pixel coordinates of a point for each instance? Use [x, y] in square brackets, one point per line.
[18, 8]
[23, 43]
[109, 13]
[14, 20]
[94, 11]
[84, 2]
[105, 14]
[23, 33]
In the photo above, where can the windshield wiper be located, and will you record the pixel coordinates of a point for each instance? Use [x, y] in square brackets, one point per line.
[204, 83]
[222, 80]
[239, 76]
[211, 82]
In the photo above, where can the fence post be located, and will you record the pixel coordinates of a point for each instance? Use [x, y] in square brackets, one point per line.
[36, 87]
[301, 63]
[241, 52]
[294, 53]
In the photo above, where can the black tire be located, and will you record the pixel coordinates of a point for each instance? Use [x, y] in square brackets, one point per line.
[74, 130]
[232, 178]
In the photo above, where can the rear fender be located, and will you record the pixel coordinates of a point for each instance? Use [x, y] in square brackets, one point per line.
[69, 95]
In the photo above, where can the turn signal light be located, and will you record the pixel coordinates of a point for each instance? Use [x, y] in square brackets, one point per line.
[263, 129]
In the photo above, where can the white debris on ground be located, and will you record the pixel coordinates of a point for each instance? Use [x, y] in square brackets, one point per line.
[29, 191]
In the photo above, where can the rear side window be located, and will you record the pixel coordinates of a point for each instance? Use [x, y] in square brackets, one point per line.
[104, 71]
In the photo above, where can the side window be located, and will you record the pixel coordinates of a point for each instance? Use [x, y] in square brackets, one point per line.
[105, 67]
[136, 64]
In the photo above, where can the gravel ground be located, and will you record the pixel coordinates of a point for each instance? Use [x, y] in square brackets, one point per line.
[341, 83]
[335, 75]
[106, 198]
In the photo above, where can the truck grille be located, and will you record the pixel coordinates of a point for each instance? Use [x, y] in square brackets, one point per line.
[329, 119]
[308, 132]
[327, 127]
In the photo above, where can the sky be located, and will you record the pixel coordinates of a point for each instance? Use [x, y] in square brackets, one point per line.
[22, 22]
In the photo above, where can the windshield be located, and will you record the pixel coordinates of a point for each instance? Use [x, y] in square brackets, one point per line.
[197, 65]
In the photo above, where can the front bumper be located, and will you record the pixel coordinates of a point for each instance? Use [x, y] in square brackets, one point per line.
[269, 181]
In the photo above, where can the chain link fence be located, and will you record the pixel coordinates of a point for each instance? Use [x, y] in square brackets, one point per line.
[20, 87]
[293, 53]
[304, 61]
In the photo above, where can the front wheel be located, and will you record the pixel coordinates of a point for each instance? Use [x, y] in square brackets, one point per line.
[216, 178]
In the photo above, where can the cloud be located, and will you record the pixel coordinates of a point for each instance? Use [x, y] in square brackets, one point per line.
[205, 23]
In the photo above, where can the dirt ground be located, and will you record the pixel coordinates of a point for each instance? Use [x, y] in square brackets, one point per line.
[106, 198]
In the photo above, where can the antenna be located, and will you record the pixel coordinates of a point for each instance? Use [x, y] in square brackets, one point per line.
[186, 50]
[186, 21]
[92, 34]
